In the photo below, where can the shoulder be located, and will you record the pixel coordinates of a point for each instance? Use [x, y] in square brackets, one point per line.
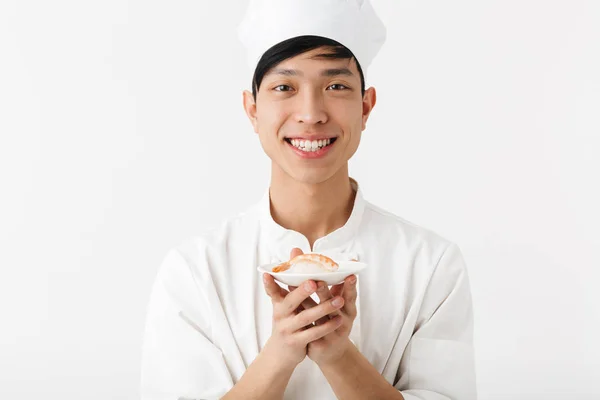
[403, 231]
[432, 264]
[423, 252]
[190, 270]
[209, 248]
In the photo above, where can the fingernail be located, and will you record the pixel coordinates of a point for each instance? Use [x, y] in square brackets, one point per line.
[337, 302]
[353, 280]
[264, 279]
[308, 287]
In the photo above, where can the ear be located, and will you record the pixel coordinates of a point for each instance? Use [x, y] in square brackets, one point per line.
[250, 108]
[369, 100]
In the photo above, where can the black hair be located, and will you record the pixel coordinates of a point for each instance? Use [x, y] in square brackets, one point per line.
[292, 47]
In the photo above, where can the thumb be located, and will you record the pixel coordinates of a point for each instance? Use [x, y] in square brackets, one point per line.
[296, 252]
[274, 291]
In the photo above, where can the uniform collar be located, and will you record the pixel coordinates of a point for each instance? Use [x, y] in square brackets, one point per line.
[281, 240]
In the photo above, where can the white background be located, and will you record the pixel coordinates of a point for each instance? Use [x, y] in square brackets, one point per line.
[122, 134]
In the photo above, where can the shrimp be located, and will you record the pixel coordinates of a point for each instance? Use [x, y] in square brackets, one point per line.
[319, 260]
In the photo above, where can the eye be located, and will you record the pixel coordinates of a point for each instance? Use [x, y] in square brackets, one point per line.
[338, 86]
[282, 88]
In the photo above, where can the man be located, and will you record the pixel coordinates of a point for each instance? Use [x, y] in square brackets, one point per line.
[218, 329]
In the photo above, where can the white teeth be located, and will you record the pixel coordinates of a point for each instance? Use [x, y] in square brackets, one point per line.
[308, 145]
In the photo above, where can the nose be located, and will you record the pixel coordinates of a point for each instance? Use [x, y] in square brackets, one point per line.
[311, 108]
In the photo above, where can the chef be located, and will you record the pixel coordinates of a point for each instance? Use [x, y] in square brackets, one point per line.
[400, 329]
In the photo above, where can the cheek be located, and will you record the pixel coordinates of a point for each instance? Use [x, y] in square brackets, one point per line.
[271, 118]
[350, 117]
[269, 122]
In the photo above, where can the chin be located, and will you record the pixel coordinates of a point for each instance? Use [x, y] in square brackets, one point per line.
[312, 177]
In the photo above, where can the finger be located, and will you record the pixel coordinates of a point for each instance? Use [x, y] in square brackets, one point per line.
[296, 298]
[307, 317]
[274, 291]
[306, 304]
[296, 251]
[349, 295]
[298, 311]
[324, 295]
[336, 290]
[318, 331]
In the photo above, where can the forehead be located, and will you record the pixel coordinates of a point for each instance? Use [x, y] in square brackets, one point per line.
[315, 62]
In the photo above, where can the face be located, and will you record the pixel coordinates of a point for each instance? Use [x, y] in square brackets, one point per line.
[309, 115]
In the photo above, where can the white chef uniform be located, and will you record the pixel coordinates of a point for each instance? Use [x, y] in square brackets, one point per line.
[209, 315]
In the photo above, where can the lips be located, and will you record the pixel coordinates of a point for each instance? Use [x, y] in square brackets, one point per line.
[289, 139]
[305, 152]
[310, 138]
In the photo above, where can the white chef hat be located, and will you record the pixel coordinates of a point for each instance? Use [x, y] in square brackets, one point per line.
[353, 23]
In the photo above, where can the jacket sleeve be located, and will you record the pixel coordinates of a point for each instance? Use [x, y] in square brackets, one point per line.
[439, 362]
[179, 360]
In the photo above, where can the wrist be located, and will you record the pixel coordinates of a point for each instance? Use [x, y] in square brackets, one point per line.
[343, 357]
[277, 359]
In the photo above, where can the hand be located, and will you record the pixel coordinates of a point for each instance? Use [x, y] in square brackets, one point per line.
[332, 346]
[293, 316]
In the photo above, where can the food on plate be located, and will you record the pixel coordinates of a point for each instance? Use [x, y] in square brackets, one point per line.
[307, 263]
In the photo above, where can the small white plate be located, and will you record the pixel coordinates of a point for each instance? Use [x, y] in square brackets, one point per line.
[346, 268]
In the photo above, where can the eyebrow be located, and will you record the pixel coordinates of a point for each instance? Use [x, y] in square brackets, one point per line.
[326, 72]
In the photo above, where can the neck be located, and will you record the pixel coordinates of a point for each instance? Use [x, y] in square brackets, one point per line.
[312, 209]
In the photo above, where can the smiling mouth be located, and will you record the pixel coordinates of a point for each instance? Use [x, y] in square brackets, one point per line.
[310, 146]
